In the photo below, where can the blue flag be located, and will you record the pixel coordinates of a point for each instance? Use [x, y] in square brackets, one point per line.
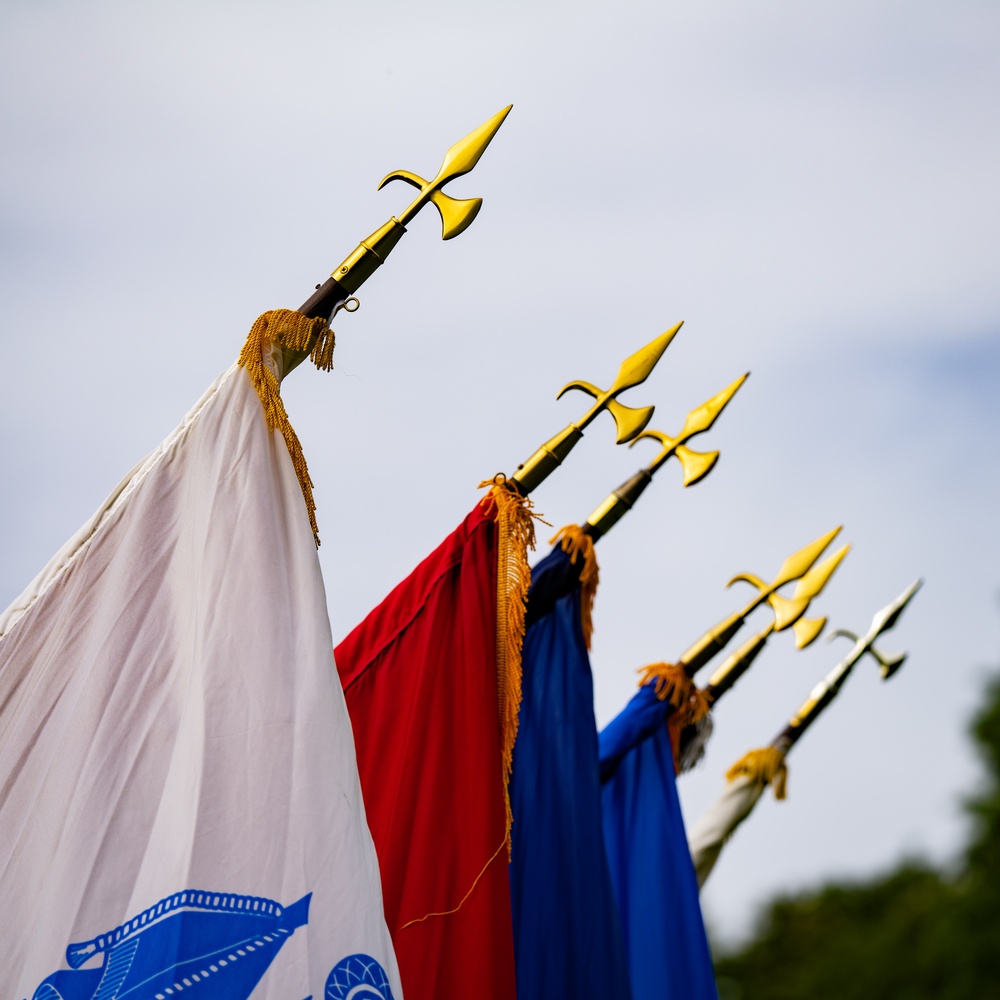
[567, 937]
[651, 870]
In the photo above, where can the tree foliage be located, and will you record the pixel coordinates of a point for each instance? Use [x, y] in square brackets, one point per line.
[914, 934]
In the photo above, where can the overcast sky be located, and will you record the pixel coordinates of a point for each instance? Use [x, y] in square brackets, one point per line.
[813, 189]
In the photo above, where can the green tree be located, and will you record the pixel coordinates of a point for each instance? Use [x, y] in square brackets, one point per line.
[914, 934]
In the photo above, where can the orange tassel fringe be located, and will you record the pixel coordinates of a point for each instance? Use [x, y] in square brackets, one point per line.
[295, 332]
[576, 542]
[515, 523]
[765, 766]
[691, 704]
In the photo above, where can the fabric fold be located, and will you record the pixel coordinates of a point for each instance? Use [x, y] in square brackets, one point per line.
[420, 675]
[651, 870]
[567, 936]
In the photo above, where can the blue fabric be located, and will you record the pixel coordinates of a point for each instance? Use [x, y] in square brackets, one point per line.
[651, 869]
[644, 716]
[567, 938]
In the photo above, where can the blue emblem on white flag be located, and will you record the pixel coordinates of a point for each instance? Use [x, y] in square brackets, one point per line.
[357, 977]
[192, 944]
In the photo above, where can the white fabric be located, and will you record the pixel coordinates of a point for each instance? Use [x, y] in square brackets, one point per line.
[171, 719]
[717, 824]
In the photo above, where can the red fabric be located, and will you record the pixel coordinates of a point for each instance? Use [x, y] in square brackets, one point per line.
[420, 678]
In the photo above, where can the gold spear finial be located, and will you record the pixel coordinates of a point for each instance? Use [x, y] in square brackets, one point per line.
[456, 214]
[794, 567]
[696, 465]
[629, 421]
[790, 611]
[806, 630]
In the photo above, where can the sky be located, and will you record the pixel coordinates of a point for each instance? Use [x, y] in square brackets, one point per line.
[811, 188]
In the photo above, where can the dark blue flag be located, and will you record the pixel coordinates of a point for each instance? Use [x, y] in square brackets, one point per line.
[567, 937]
[650, 865]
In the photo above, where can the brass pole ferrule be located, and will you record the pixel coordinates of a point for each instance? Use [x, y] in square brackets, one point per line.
[736, 665]
[546, 459]
[617, 505]
[713, 642]
[368, 256]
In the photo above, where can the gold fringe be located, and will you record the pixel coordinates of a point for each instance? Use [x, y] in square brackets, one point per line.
[515, 536]
[575, 542]
[764, 766]
[691, 704]
[295, 332]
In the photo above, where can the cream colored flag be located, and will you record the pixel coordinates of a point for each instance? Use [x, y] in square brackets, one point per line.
[180, 812]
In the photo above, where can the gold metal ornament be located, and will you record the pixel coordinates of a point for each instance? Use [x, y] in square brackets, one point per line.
[806, 631]
[794, 567]
[456, 214]
[696, 465]
[629, 421]
[827, 689]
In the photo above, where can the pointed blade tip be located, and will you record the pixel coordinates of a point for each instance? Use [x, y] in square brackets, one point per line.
[824, 540]
[733, 388]
[498, 119]
[666, 337]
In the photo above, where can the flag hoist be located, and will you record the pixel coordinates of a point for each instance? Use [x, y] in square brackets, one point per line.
[749, 776]
[182, 812]
[567, 933]
[432, 678]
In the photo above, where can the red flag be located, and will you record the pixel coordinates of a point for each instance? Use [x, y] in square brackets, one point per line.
[432, 681]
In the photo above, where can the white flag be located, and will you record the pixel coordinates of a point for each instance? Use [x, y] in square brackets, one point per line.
[719, 822]
[180, 812]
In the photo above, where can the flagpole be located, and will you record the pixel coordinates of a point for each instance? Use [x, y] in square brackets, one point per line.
[671, 685]
[748, 777]
[786, 612]
[830, 686]
[696, 465]
[806, 630]
[456, 216]
[629, 421]
[692, 736]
